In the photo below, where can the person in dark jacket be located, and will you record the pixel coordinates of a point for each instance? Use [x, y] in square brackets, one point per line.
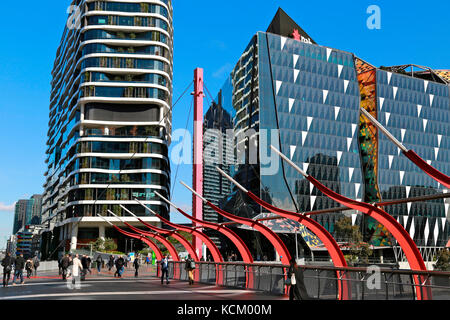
[85, 263]
[111, 262]
[19, 265]
[298, 290]
[165, 269]
[120, 262]
[36, 263]
[190, 267]
[136, 265]
[99, 263]
[29, 268]
[65, 263]
[7, 263]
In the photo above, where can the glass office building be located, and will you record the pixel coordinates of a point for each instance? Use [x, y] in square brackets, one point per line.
[110, 115]
[305, 99]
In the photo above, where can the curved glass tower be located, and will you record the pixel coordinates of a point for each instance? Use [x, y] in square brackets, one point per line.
[110, 114]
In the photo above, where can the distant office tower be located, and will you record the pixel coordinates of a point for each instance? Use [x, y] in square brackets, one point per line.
[20, 214]
[110, 116]
[27, 212]
[312, 94]
[217, 151]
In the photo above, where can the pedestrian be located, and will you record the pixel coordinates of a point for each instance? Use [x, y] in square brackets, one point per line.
[136, 265]
[65, 262]
[89, 264]
[7, 264]
[120, 262]
[76, 270]
[165, 270]
[111, 263]
[297, 282]
[99, 263]
[147, 260]
[29, 268]
[35, 265]
[84, 263]
[190, 267]
[19, 265]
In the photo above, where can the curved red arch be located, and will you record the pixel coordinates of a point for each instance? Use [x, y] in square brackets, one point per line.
[147, 241]
[431, 171]
[330, 243]
[238, 242]
[269, 234]
[185, 243]
[173, 252]
[400, 234]
[217, 256]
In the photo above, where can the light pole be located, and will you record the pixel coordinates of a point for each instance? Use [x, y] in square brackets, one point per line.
[126, 245]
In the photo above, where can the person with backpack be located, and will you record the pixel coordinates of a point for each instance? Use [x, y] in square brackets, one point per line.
[65, 262]
[35, 265]
[120, 262]
[136, 265]
[7, 264]
[29, 268]
[19, 265]
[190, 267]
[165, 270]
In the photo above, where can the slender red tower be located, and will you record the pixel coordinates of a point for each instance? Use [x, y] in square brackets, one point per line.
[197, 204]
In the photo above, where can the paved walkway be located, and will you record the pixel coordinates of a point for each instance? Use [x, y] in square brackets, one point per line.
[104, 286]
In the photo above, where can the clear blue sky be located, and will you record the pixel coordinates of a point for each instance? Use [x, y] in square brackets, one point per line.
[208, 34]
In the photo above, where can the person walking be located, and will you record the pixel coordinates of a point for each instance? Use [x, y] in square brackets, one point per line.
[36, 263]
[120, 262]
[65, 262]
[111, 263]
[84, 263]
[7, 264]
[89, 264]
[165, 270]
[297, 288]
[77, 268]
[19, 265]
[136, 265]
[29, 268]
[190, 267]
[99, 263]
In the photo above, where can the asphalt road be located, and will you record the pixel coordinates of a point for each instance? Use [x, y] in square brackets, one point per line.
[104, 286]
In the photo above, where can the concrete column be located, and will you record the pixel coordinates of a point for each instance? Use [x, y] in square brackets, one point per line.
[101, 232]
[74, 239]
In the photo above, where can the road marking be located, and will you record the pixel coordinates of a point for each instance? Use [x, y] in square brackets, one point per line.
[135, 293]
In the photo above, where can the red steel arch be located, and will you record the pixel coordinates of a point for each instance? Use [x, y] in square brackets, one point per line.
[171, 233]
[330, 243]
[238, 242]
[151, 244]
[269, 234]
[408, 246]
[431, 171]
[217, 256]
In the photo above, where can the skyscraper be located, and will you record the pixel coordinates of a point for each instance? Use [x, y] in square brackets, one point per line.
[110, 116]
[305, 99]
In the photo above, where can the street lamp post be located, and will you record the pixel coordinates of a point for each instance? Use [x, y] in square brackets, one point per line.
[296, 242]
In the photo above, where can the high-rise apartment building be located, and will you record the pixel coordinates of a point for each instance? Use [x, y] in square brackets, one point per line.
[27, 212]
[110, 116]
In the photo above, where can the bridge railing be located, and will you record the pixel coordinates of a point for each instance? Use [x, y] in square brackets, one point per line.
[322, 282]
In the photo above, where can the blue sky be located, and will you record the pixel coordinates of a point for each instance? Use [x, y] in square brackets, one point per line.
[208, 34]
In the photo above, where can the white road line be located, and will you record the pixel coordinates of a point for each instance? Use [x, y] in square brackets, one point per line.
[91, 294]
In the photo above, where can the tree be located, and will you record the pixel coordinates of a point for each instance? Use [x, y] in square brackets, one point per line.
[359, 250]
[443, 260]
[104, 245]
